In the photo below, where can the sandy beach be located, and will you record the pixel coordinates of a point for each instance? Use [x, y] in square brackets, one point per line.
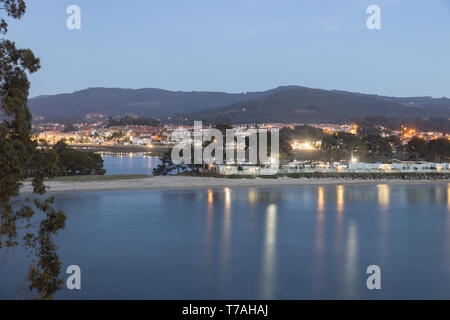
[183, 182]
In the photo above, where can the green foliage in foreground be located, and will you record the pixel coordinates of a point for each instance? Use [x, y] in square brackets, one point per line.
[27, 223]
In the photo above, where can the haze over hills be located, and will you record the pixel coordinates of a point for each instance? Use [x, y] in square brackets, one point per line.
[283, 104]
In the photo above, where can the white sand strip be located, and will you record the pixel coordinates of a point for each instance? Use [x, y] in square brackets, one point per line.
[183, 182]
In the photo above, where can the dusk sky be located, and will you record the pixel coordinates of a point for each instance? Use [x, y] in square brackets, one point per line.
[240, 45]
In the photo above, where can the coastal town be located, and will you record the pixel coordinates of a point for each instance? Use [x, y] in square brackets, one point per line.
[95, 131]
[308, 155]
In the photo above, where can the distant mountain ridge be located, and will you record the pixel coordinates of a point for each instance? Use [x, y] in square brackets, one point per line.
[282, 104]
[306, 105]
[157, 103]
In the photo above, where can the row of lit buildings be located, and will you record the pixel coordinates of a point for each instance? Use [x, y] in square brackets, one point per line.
[337, 167]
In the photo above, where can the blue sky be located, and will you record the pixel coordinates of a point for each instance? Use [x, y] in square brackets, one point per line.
[240, 45]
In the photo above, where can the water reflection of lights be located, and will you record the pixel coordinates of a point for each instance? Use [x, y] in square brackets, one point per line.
[226, 231]
[351, 261]
[252, 195]
[268, 267]
[210, 205]
[384, 199]
[210, 197]
[447, 231]
[319, 241]
[320, 217]
[227, 198]
[209, 226]
[383, 196]
[340, 199]
[340, 217]
[448, 197]
[320, 200]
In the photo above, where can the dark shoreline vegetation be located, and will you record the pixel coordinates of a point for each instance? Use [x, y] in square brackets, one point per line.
[74, 162]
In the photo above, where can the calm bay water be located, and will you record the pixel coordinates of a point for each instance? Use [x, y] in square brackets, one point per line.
[129, 163]
[239, 243]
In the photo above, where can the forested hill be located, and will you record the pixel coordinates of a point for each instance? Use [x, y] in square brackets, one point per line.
[305, 105]
[155, 103]
[283, 104]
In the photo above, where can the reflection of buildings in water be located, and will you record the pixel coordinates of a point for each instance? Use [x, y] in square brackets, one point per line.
[420, 195]
[188, 196]
[439, 194]
[268, 265]
[271, 196]
[383, 196]
[307, 196]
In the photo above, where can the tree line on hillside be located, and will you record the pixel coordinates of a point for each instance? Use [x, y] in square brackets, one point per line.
[434, 150]
[370, 125]
[133, 121]
[370, 146]
[375, 148]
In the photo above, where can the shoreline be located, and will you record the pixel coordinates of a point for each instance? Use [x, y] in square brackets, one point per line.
[156, 149]
[185, 183]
